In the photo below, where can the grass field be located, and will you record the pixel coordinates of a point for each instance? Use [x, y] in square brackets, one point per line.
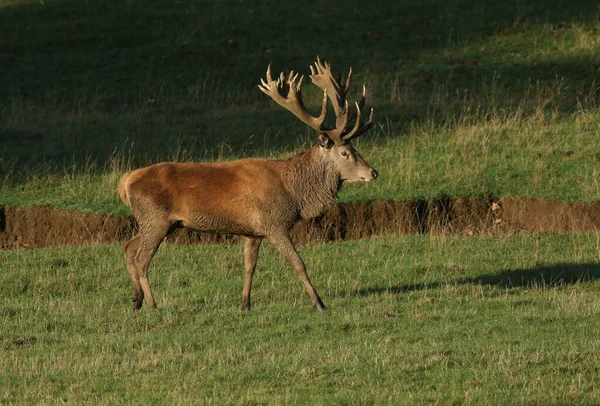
[492, 99]
[441, 320]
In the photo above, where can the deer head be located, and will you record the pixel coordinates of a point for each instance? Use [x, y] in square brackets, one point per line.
[334, 142]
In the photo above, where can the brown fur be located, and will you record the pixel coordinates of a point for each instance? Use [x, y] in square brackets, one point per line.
[255, 198]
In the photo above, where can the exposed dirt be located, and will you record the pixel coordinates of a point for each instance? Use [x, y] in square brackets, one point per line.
[36, 227]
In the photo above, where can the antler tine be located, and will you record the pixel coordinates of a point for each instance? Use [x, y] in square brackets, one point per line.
[359, 130]
[321, 68]
[291, 82]
[292, 77]
[267, 87]
[361, 103]
[299, 86]
[347, 86]
[269, 79]
[342, 121]
[349, 134]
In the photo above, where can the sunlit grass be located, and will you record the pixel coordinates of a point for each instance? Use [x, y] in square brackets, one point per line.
[505, 153]
[411, 319]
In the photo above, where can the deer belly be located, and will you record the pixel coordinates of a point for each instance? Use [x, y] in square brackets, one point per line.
[217, 224]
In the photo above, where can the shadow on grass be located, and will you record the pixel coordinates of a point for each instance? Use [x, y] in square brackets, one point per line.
[544, 276]
[154, 77]
[120, 49]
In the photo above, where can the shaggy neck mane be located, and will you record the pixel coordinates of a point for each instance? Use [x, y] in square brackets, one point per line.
[313, 181]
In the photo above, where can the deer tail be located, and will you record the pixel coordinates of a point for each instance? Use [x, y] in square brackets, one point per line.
[123, 188]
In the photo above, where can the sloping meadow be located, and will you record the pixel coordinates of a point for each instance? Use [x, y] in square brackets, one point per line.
[485, 100]
[486, 134]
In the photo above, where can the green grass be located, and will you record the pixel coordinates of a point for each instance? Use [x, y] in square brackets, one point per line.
[418, 319]
[535, 158]
[496, 99]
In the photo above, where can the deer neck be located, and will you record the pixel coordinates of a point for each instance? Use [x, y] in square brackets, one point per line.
[313, 181]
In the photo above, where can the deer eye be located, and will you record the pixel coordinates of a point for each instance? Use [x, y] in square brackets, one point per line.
[344, 154]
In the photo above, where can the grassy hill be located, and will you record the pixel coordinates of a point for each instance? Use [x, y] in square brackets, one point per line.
[496, 98]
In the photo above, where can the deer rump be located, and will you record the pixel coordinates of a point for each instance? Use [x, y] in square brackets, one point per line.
[255, 198]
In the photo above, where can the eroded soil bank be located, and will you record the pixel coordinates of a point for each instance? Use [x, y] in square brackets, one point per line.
[37, 227]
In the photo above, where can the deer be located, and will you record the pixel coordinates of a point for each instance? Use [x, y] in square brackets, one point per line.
[253, 198]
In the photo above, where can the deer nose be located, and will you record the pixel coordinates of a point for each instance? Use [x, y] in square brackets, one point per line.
[374, 174]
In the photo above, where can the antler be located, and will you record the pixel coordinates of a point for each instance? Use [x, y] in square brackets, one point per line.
[322, 77]
[287, 93]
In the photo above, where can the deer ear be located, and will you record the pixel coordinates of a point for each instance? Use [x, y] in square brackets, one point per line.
[325, 141]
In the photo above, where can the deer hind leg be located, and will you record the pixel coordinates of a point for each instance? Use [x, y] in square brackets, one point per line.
[251, 247]
[131, 248]
[286, 248]
[139, 251]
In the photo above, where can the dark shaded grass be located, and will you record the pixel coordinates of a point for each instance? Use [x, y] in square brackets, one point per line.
[542, 276]
[85, 79]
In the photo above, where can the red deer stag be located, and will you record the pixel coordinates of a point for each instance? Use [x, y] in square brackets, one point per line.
[254, 198]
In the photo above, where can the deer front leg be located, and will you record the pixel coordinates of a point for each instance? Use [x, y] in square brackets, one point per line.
[251, 247]
[286, 248]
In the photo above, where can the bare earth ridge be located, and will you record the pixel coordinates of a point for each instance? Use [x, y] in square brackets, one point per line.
[37, 227]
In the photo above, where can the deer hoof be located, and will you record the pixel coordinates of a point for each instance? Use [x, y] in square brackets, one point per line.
[137, 303]
[319, 305]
